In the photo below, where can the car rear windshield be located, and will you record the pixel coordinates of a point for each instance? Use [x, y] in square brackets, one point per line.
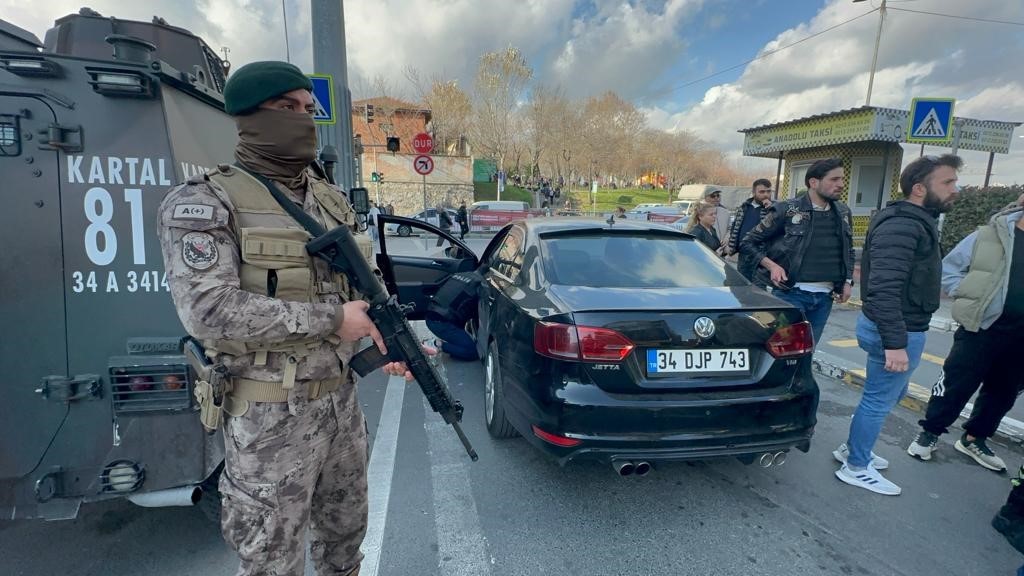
[634, 261]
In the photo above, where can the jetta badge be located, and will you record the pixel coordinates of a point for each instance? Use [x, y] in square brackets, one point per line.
[704, 327]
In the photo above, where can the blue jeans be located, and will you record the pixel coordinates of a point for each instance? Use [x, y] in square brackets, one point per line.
[882, 389]
[457, 342]
[815, 305]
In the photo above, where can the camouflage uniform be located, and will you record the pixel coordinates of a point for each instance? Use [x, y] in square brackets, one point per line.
[288, 465]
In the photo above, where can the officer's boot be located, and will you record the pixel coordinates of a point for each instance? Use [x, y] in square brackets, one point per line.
[1009, 521]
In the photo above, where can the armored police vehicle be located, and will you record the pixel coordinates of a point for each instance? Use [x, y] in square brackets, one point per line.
[97, 122]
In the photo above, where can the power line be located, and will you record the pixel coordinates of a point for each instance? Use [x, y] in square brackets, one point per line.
[760, 56]
[1011, 23]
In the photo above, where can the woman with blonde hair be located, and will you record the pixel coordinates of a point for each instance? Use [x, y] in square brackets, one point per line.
[702, 225]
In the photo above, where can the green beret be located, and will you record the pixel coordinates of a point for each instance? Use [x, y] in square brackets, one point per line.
[257, 82]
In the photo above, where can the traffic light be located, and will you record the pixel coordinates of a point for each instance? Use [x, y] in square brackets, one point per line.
[380, 176]
[393, 144]
[374, 177]
[369, 113]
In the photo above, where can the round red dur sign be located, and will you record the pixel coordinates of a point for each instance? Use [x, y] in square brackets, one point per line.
[423, 143]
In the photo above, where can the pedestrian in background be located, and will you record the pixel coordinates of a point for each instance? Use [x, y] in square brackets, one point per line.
[748, 215]
[444, 221]
[804, 246]
[702, 226]
[371, 220]
[714, 198]
[620, 212]
[462, 217]
[901, 270]
[984, 274]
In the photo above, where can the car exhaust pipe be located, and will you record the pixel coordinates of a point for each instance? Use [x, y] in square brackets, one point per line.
[766, 459]
[624, 467]
[641, 468]
[182, 496]
[779, 458]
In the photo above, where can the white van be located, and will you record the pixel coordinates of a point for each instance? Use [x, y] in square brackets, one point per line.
[506, 205]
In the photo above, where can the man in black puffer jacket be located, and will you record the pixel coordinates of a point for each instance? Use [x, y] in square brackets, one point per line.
[901, 270]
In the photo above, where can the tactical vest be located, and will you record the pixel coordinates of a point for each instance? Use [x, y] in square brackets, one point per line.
[274, 261]
[986, 276]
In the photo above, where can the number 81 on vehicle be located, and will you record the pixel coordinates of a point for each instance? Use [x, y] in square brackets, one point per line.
[690, 361]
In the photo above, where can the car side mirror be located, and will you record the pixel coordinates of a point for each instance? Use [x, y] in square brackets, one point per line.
[360, 199]
[455, 252]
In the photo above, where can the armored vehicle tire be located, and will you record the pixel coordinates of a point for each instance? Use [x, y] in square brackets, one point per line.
[404, 230]
[494, 397]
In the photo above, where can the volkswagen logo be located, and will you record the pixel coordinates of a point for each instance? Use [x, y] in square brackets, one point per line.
[704, 327]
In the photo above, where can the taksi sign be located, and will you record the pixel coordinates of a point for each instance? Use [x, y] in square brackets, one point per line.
[323, 98]
[931, 120]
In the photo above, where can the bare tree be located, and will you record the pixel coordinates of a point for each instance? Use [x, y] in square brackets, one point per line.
[450, 109]
[500, 80]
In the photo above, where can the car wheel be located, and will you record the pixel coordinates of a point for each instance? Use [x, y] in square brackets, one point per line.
[404, 231]
[494, 397]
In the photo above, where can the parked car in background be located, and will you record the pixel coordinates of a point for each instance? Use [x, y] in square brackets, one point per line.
[429, 215]
[628, 343]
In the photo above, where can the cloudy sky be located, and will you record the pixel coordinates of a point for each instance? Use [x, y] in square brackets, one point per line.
[659, 54]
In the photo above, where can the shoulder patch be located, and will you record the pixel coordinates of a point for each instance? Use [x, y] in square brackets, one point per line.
[193, 212]
[199, 250]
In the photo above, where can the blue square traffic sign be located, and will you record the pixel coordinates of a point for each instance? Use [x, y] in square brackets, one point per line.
[323, 96]
[931, 120]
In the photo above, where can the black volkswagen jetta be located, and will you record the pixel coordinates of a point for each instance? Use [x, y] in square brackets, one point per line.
[628, 342]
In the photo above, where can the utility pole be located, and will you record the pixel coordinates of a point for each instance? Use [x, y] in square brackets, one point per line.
[329, 57]
[287, 45]
[874, 58]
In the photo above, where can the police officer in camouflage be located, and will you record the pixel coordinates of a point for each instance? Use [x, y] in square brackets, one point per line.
[283, 325]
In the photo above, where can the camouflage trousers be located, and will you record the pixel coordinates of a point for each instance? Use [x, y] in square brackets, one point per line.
[292, 466]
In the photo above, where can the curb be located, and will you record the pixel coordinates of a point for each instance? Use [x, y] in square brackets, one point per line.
[937, 322]
[826, 364]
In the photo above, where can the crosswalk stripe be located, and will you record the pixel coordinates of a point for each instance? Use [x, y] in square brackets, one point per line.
[380, 472]
[933, 358]
[847, 343]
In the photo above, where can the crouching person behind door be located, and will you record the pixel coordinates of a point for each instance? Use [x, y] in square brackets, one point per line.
[450, 309]
[284, 327]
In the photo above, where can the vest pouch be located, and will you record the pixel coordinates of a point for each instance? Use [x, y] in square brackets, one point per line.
[276, 257]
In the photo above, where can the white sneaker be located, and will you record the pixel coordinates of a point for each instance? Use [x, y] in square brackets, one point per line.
[843, 452]
[981, 453]
[868, 479]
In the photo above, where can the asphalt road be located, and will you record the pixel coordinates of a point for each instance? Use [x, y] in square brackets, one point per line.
[516, 513]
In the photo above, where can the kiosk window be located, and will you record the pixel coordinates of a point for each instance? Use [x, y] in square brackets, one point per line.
[10, 140]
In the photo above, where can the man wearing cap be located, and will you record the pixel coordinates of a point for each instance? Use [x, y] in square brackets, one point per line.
[714, 198]
[283, 325]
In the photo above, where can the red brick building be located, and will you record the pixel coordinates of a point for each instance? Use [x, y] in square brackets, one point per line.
[391, 117]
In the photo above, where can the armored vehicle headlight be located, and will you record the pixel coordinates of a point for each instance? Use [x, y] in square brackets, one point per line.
[30, 67]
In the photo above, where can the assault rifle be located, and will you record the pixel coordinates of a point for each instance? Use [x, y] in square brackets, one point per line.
[339, 248]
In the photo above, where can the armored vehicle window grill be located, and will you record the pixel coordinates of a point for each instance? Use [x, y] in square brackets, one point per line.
[150, 389]
[216, 71]
[10, 137]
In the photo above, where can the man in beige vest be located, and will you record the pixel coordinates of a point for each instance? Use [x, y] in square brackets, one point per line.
[985, 276]
[284, 326]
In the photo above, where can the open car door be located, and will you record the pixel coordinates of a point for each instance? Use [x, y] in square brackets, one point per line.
[416, 266]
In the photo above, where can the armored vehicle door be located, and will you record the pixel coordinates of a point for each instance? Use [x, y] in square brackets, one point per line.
[32, 310]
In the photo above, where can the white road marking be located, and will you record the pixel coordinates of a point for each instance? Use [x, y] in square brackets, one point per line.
[380, 472]
[462, 547]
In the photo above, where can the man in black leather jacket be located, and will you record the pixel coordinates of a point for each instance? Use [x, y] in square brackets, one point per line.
[901, 271]
[804, 246]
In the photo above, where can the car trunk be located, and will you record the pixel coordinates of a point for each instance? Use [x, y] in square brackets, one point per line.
[669, 354]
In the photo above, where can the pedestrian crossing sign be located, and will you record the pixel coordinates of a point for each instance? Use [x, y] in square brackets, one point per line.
[931, 121]
[323, 98]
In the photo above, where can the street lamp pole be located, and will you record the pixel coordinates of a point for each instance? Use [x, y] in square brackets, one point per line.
[874, 58]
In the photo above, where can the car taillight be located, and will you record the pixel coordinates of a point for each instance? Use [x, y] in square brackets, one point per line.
[793, 340]
[585, 343]
[555, 439]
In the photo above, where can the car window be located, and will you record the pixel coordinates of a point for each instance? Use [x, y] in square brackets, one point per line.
[634, 261]
[508, 258]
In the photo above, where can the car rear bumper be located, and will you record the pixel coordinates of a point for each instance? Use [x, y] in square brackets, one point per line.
[613, 427]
